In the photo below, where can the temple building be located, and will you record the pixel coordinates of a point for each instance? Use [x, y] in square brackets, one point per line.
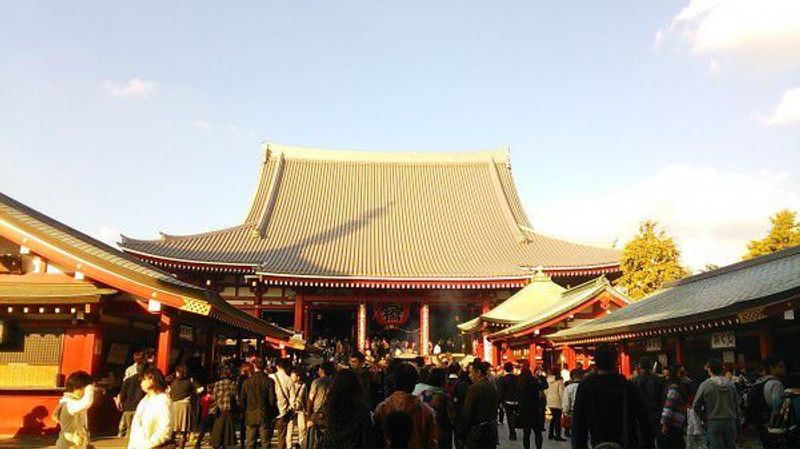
[740, 313]
[69, 302]
[355, 243]
[518, 328]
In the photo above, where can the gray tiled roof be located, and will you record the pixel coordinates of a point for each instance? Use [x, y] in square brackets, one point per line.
[714, 294]
[354, 214]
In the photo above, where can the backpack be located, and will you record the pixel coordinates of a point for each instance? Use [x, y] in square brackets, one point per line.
[783, 419]
[757, 411]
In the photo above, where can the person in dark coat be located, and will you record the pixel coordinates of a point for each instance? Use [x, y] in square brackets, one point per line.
[223, 431]
[652, 391]
[531, 407]
[506, 387]
[259, 405]
[478, 420]
[609, 408]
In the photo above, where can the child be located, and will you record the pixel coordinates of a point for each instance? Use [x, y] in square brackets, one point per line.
[71, 412]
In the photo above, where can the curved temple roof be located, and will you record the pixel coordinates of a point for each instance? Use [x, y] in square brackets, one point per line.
[369, 215]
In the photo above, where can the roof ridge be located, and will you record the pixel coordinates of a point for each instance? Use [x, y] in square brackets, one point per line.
[174, 237]
[388, 157]
[741, 265]
[596, 282]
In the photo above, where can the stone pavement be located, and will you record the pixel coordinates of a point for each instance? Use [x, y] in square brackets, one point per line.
[117, 443]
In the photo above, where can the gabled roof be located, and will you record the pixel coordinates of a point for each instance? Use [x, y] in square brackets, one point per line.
[540, 294]
[49, 289]
[569, 300]
[387, 216]
[716, 294]
[59, 242]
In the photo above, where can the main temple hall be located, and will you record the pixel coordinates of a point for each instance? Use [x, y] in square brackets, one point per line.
[364, 245]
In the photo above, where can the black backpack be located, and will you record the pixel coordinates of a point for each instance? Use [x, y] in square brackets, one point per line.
[757, 411]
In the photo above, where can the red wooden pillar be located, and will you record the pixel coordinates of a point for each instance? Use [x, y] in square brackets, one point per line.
[532, 349]
[258, 290]
[164, 342]
[569, 357]
[298, 313]
[81, 350]
[765, 343]
[424, 328]
[307, 321]
[496, 354]
[211, 350]
[679, 357]
[477, 347]
[624, 360]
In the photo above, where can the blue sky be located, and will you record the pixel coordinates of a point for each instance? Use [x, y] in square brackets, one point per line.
[144, 116]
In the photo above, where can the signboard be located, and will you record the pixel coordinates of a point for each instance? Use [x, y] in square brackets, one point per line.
[652, 345]
[728, 357]
[185, 332]
[723, 340]
[752, 315]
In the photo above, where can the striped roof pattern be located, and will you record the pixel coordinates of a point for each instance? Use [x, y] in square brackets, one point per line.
[83, 246]
[353, 214]
[569, 299]
[714, 294]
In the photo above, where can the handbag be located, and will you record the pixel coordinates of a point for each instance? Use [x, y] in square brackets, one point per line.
[566, 421]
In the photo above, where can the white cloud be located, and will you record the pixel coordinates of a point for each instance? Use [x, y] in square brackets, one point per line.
[135, 87]
[712, 214]
[107, 235]
[767, 31]
[787, 112]
[202, 124]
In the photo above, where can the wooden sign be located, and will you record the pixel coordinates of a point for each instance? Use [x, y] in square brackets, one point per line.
[752, 315]
[653, 345]
[723, 340]
[185, 332]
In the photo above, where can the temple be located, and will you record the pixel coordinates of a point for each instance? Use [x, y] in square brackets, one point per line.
[339, 242]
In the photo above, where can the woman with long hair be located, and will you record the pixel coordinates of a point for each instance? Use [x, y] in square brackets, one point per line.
[531, 407]
[152, 423]
[223, 432]
[345, 422]
[181, 391]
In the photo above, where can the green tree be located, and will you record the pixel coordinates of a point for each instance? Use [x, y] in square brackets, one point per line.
[649, 260]
[785, 233]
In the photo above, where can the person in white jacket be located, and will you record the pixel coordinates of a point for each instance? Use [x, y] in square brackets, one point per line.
[152, 424]
[555, 394]
[71, 412]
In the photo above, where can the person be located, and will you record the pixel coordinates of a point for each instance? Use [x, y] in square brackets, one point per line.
[570, 391]
[70, 413]
[506, 387]
[137, 366]
[478, 421]
[717, 404]
[651, 391]
[358, 366]
[458, 393]
[555, 395]
[152, 423]
[320, 388]
[531, 408]
[436, 398]
[181, 393]
[608, 407]
[424, 433]
[246, 371]
[674, 412]
[344, 422]
[206, 417]
[298, 395]
[259, 406]
[397, 429]
[129, 396]
[223, 431]
[765, 397]
[283, 385]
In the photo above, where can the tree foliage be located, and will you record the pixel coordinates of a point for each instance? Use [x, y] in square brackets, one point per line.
[649, 260]
[785, 233]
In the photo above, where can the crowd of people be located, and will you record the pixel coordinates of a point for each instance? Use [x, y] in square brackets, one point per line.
[384, 349]
[417, 404]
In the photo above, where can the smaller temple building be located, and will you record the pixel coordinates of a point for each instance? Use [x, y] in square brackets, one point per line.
[517, 329]
[69, 302]
[740, 313]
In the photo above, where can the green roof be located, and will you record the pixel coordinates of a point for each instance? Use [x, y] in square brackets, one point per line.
[541, 294]
[568, 300]
[715, 294]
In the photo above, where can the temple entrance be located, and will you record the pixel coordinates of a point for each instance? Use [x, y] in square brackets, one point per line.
[333, 322]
